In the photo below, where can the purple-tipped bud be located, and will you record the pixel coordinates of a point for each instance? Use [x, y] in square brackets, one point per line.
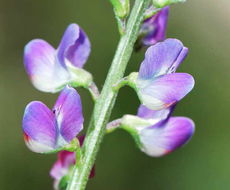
[154, 28]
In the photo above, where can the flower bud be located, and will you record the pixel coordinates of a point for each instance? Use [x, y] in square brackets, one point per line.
[121, 8]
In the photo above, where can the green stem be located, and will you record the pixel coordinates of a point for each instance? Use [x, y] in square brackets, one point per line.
[105, 102]
[129, 81]
[94, 91]
[113, 125]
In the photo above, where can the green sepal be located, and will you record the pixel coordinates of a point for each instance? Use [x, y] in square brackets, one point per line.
[79, 77]
[63, 183]
[163, 3]
[133, 124]
[151, 11]
[82, 78]
[73, 146]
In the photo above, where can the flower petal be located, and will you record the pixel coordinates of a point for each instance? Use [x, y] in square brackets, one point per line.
[155, 27]
[161, 140]
[68, 111]
[162, 58]
[74, 46]
[61, 166]
[40, 64]
[67, 158]
[39, 127]
[56, 171]
[166, 91]
[147, 113]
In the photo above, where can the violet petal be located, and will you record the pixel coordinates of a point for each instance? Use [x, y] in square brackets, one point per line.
[161, 140]
[74, 46]
[162, 58]
[39, 127]
[155, 27]
[165, 91]
[68, 111]
[147, 113]
[42, 68]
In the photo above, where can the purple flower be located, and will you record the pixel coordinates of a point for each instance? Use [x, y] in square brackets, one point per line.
[51, 69]
[154, 28]
[48, 130]
[157, 85]
[165, 136]
[63, 167]
[156, 132]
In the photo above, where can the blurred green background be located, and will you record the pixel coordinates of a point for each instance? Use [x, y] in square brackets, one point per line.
[204, 164]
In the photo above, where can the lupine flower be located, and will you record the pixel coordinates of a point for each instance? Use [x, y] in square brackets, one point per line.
[156, 132]
[154, 28]
[51, 69]
[48, 130]
[157, 85]
[63, 167]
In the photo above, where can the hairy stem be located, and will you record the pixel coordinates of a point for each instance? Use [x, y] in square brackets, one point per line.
[106, 100]
[94, 91]
[113, 125]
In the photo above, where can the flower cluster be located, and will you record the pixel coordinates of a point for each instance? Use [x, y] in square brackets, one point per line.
[50, 70]
[159, 89]
[157, 85]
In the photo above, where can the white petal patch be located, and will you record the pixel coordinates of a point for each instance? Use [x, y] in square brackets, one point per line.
[152, 142]
[38, 147]
[150, 102]
[50, 78]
